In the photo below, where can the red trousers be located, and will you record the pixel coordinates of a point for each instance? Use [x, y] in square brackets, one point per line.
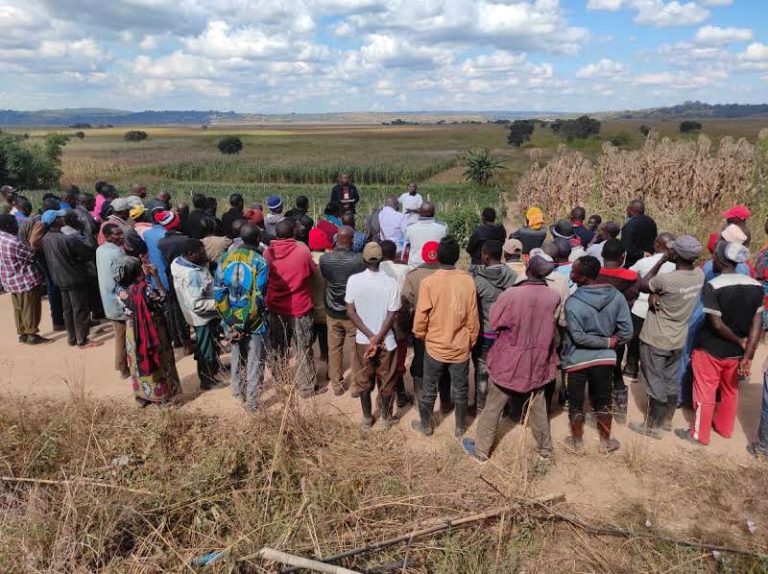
[709, 375]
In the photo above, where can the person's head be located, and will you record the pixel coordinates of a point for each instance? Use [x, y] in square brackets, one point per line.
[113, 234]
[213, 205]
[613, 253]
[236, 201]
[728, 255]
[738, 214]
[54, 219]
[391, 201]
[109, 191]
[562, 249]
[348, 219]
[344, 237]
[540, 265]
[250, 234]
[372, 255]
[389, 250]
[550, 249]
[199, 201]
[121, 208]
[333, 209]
[72, 220]
[237, 227]
[488, 215]
[513, 249]
[429, 252]
[344, 179]
[448, 251]
[427, 209]
[284, 228]
[578, 214]
[635, 207]
[24, 205]
[139, 190]
[661, 244]
[413, 189]
[69, 195]
[50, 204]
[8, 193]
[534, 218]
[86, 200]
[491, 252]
[167, 219]
[585, 270]
[685, 250]
[208, 226]
[608, 230]
[562, 229]
[594, 222]
[302, 203]
[8, 224]
[194, 252]
[128, 271]
[98, 187]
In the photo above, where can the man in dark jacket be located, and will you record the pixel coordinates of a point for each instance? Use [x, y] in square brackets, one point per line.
[299, 215]
[172, 246]
[491, 278]
[193, 227]
[578, 215]
[638, 233]
[598, 320]
[488, 229]
[68, 257]
[234, 213]
[345, 194]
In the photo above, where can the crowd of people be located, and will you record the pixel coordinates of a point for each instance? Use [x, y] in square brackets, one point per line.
[546, 314]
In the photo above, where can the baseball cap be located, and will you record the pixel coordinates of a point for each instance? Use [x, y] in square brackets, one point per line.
[274, 202]
[737, 212]
[167, 219]
[50, 216]
[120, 204]
[372, 252]
[512, 245]
[687, 247]
[732, 252]
[429, 251]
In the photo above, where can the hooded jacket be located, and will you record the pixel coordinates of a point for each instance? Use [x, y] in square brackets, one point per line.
[289, 287]
[594, 314]
[194, 291]
[490, 281]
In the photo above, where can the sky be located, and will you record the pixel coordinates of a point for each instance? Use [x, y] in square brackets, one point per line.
[281, 56]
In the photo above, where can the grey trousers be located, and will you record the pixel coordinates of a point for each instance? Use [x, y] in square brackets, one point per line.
[248, 357]
[659, 371]
[488, 422]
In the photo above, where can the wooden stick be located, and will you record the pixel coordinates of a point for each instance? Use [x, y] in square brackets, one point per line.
[301, 562]
[68, 482]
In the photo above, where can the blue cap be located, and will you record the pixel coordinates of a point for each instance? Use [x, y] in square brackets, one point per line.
[50, 216]
[274, 202]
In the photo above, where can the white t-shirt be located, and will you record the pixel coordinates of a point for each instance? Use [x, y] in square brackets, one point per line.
[397, 271]
[408, 201]
[421, 232]
[373, 295]
[642, 267]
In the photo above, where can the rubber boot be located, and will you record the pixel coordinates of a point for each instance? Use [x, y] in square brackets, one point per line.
[385, 408]
[365, 402]
[620, 405]
[607, 444]
[669, 412]
[481, 391]
[424, 424]
[653, 420]
[575, 442]
[403, 398]
[460, 414]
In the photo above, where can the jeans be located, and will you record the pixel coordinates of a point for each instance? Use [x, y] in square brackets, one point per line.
[761, 446]
[76, 315]
[479, 359]
[434, 371]
[283, 330]
[248, 357]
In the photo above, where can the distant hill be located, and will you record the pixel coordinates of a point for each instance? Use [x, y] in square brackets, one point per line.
[101, 117]
[698, 110]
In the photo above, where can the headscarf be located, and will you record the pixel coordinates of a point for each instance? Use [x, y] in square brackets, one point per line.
[136, 211]
[535, 218]
[318, 240]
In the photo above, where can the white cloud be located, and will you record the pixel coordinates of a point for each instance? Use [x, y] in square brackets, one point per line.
[716, 36]
[717, 2]
[755, 57]
[611, 5]
[656, 12]
[605, 68]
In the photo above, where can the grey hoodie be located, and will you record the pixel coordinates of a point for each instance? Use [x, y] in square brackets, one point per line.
[594, 314]
[490, 281]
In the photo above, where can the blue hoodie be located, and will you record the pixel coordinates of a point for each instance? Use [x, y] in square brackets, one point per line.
[594, 314]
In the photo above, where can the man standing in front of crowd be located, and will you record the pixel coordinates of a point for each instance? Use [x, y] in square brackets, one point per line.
[336, 268]
[491, 278]
[20, 276]
[410, 202]
[638, 233]
[523, 359]
[345, 194]
[447, 320]
[289, 302]
[426, 229]
[239, 289]
[725, 347]
[673, 298]
[598, 321]
[373, 299]
[108, 259]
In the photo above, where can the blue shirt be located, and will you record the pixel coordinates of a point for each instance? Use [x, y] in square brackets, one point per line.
[107, 258]
[152, 238]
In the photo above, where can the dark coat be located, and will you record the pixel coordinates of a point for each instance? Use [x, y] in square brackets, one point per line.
[67, 258]
[347, 205]
[637, 236]
[482, 234]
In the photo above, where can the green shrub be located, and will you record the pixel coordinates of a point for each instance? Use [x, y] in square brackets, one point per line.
[30, 166]
[481, 166]
[135, 136]
[230, 145]
[461, 223]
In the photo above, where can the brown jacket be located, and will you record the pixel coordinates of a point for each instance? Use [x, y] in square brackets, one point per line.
[446, 315]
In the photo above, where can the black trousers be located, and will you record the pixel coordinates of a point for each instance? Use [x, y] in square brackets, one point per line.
[435, 372]
[599, 381]
[633, 347]
[77, 309]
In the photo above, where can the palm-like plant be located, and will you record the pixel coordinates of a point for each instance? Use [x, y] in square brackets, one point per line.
[481, 166]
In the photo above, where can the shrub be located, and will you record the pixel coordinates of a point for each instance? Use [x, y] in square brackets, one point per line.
[520, 132]
[645, 130]
[461, 223]
[30, 166]
[580, 128]
[230, 145]
[79, 135]
[135, 136]
[689, 126]
[481, 166]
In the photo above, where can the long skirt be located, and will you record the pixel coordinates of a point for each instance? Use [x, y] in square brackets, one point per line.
[164, 383]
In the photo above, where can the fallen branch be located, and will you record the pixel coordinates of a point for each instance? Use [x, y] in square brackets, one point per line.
[301, 562]
[68, 482]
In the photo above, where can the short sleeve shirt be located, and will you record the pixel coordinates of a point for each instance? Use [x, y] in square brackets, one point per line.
[667, 328]
[374, 294]
[736, 299]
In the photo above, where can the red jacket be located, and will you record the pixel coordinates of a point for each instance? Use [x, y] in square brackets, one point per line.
[289, 286]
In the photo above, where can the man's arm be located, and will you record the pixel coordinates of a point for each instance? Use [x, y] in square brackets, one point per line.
[628, 239]
[624, 328]
[753, 339]
[423, 307]
[358, 322]
[581, 337]
[473, 321]
[645, 282]
[473, 242]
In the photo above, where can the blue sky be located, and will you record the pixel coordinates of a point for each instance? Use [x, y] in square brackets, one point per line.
[276, 56]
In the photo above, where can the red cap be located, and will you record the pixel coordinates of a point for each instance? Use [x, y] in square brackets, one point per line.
[429, 252]
[167, 219]
[737, 212]
[254, 216]
[318, 240]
